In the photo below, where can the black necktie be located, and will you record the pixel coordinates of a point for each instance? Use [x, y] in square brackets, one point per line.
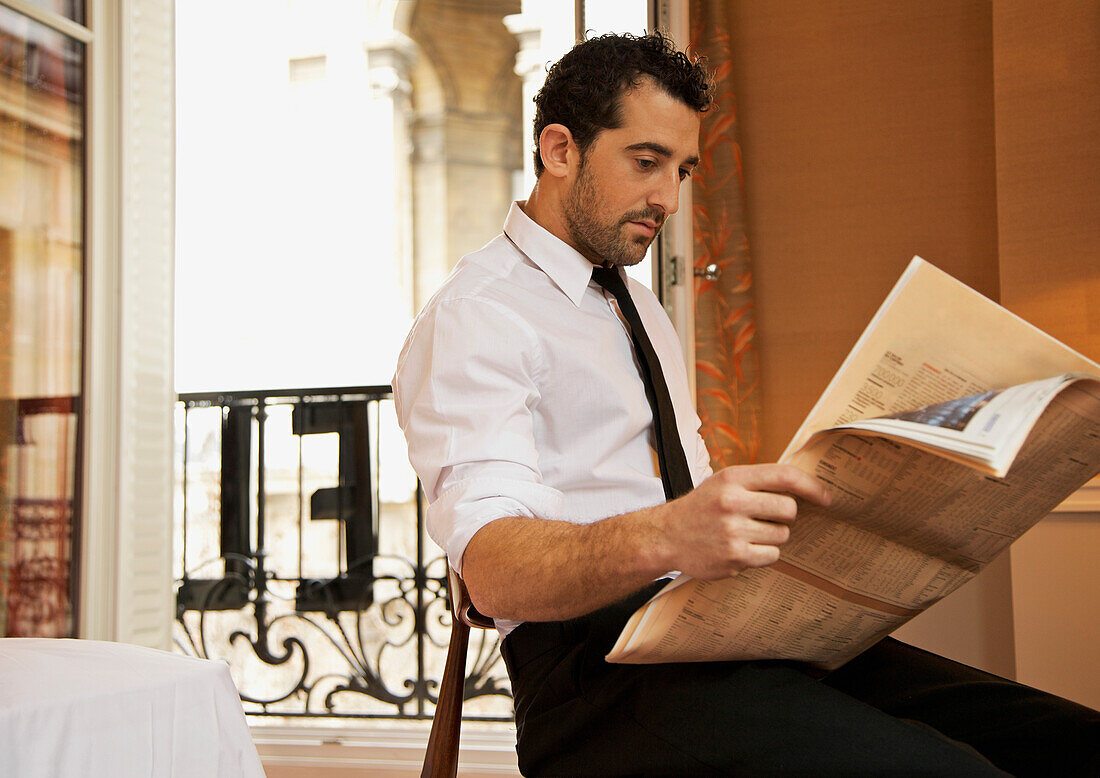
[675, 474]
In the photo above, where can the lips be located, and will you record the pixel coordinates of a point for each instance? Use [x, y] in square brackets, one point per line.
[648, 227]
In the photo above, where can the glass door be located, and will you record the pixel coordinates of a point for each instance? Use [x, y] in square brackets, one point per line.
[42, 100]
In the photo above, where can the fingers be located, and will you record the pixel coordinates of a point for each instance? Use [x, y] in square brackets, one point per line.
[761, 556]
[743, 554]
[758, 501]
[739, 518]
[760, 532]
[778, 478]
[766, 506]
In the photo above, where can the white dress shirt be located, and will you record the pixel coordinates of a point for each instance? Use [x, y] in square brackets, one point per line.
[520, 395]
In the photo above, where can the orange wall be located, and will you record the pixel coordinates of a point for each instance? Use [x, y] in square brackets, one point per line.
[867, 131]
[961, 130]
[1047, 93]
[1047, 86]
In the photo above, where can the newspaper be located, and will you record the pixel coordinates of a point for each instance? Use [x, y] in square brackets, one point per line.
[951, 428]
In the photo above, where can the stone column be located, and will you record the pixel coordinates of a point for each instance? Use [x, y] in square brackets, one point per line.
[467, 137]
[531, 69]
[544, 32]
[390, 61]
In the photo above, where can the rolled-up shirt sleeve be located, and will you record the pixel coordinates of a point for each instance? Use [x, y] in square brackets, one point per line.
[465, 390]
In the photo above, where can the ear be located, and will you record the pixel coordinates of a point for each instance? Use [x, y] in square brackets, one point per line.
[555, 145]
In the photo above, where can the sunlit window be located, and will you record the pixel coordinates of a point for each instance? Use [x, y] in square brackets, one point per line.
[333, 168]
[334, 161]
[41, 320]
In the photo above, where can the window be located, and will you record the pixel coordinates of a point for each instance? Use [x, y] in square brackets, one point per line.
[329, 175]
[42, 77]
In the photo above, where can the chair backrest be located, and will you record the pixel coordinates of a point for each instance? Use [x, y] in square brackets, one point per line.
[441, 756]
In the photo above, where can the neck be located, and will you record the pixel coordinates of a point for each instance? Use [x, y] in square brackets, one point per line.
[544, 208]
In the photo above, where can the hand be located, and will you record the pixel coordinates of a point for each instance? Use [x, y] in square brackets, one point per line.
[737, 518]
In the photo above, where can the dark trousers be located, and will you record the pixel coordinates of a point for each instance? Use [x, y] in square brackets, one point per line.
[894, 710]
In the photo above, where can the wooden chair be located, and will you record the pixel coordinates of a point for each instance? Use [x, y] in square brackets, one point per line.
[441, 757]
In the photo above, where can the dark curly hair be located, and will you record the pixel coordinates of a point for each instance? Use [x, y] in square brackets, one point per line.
[583, 89]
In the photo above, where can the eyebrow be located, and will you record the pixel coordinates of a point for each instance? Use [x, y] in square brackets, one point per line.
[658, 148]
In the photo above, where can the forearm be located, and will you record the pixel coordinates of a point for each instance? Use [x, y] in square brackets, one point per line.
[535, 570]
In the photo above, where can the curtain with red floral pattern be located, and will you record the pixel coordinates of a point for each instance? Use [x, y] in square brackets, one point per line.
[727, 370]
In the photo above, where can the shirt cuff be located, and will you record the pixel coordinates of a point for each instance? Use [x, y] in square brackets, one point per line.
[466, 506]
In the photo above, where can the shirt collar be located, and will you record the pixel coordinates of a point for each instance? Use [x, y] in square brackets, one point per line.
[565, 266]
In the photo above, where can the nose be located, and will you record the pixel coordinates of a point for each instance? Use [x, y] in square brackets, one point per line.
[666, 194]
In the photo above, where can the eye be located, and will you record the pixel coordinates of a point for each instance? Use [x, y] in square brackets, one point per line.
[646, 164]
[685, 173]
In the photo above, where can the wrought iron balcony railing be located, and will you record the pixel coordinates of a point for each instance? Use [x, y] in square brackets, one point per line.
[303, 559]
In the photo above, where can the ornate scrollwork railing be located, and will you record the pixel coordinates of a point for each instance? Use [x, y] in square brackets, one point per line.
[364, 638]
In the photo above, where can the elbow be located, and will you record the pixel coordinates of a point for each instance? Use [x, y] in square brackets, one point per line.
[484, 577]
[473, 588]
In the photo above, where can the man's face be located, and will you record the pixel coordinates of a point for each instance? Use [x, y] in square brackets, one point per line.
[628, 180]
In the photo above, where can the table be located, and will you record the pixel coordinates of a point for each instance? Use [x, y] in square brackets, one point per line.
[91, 709]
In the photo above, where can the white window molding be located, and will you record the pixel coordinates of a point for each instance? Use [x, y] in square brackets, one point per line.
[51, 19]
[126, 533]
[673, 273]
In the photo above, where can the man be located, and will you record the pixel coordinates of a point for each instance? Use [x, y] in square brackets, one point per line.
[531, 389]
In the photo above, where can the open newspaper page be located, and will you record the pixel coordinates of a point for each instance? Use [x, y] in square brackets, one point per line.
[983, 430]
[907, 526]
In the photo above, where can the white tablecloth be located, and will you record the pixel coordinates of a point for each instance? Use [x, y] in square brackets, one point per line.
[89, 709]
